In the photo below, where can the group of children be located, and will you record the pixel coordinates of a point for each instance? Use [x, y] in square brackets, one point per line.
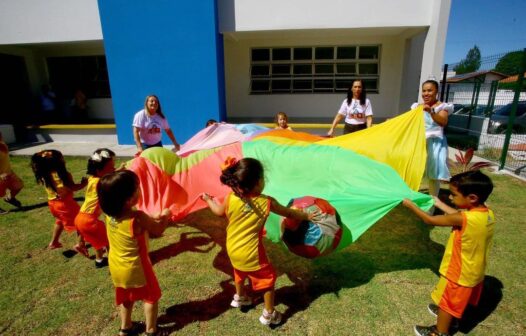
[125, 232]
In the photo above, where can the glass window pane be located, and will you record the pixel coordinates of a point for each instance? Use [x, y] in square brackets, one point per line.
[368, 69]
[323, 84]
[281, 85]
[343, 84]
[260, 85]
[260, 55]
[371, 84]
[302, 69]
[302, 53]
[281, 70]
[346, 68]
[346, 53]
[325, 69]
[368, 52]
[324, 53]
[260, 70]
[281, 54]
[302, 84]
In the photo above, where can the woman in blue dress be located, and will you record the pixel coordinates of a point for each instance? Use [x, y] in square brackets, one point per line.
[436, 115]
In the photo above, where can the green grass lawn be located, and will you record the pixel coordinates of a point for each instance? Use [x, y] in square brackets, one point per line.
[378, 286]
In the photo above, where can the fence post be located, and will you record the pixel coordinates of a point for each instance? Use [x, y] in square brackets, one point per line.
[513, 111]
[443, 86]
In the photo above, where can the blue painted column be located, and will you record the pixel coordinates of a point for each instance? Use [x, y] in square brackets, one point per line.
[170, 48]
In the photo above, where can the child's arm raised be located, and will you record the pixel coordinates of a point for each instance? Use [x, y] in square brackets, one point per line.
[155, 225]
[217, 209]
[443, 206]
[453, 219]
[279, 209]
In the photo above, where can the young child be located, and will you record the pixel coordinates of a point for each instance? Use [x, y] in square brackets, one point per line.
[466, 255]
[282, 121]
[50, 170]
[247, 210]
[128, 231]
[8, 179]
[87, 221]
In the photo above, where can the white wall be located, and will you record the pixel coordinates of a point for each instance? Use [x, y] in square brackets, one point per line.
[39, 21]
[257, 15]
[237, 67]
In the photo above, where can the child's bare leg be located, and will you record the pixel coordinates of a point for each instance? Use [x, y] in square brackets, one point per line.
[150, 312]
[57, 230]
[268, 298]
[126, 313]
[240, 288]
[443, 321]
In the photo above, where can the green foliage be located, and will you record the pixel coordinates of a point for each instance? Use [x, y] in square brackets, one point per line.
[511, 63]
[469, 64]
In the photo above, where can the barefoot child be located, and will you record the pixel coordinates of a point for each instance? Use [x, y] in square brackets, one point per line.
[466, 255]
[87, 221]
[50, 170]
[247, 210]
[128, 232]
[8, 179]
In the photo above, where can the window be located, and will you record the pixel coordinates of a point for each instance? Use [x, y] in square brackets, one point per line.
[313, 69]
[89, 73]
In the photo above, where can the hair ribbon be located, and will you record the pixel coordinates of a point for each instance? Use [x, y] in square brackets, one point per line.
[229, 162]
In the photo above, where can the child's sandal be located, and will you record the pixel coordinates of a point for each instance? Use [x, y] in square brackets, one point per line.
[136, 329]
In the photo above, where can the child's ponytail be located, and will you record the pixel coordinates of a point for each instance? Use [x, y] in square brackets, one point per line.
[46, 162]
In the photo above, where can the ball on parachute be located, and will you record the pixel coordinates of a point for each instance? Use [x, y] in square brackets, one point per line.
[310, 239]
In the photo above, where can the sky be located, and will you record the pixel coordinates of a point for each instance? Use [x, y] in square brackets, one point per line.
[495, 26]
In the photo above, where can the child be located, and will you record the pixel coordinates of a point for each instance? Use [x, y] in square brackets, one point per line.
[128, 230]
[87, 221]
[49, 168]
[281, 121]
[465, 258]
[8, 179]
[211, 122]
[247, 210]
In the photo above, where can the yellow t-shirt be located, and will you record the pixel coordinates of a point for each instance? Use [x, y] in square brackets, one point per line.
[467, 249]
[57, 181]
[125, 254]
[244, 232]
[91, 200]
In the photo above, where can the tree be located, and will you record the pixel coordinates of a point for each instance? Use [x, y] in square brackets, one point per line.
[469, 64]
[510, 64]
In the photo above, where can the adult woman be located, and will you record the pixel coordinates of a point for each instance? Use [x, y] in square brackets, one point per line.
[356, 109]
[147, 125]
[435, 119]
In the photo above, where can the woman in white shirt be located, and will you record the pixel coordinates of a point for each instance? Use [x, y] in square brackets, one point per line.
[356, 109]
[148, 123]
[436, 116]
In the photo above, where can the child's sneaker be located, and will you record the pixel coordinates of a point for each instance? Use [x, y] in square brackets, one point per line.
[82, 250]
[428, 331]
[101, 263]
[3, 212]
[240, 301]
[267, 319]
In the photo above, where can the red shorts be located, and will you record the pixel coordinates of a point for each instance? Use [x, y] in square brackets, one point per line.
[10, 182]
[261, 279]
[92, 229]
[64, 211]
[454, 298]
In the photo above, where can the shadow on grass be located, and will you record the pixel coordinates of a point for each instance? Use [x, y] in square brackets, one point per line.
[397, 242]
[40, 205]
[489, 300]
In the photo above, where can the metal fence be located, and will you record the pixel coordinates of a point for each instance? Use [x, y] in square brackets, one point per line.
[490, 110]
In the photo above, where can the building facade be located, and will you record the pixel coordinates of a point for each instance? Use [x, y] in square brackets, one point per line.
[235, 60]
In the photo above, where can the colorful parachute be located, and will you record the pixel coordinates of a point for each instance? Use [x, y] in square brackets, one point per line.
[362, 175]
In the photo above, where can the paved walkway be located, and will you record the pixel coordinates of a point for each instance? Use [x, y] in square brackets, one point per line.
[76, 148]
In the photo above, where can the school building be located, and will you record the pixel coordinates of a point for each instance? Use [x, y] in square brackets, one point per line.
[234, 60]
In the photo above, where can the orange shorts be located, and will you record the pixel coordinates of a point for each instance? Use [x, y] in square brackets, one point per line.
[454, 298]
[10, 182]
[64, 211]
[262, 279]
[92, 229]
